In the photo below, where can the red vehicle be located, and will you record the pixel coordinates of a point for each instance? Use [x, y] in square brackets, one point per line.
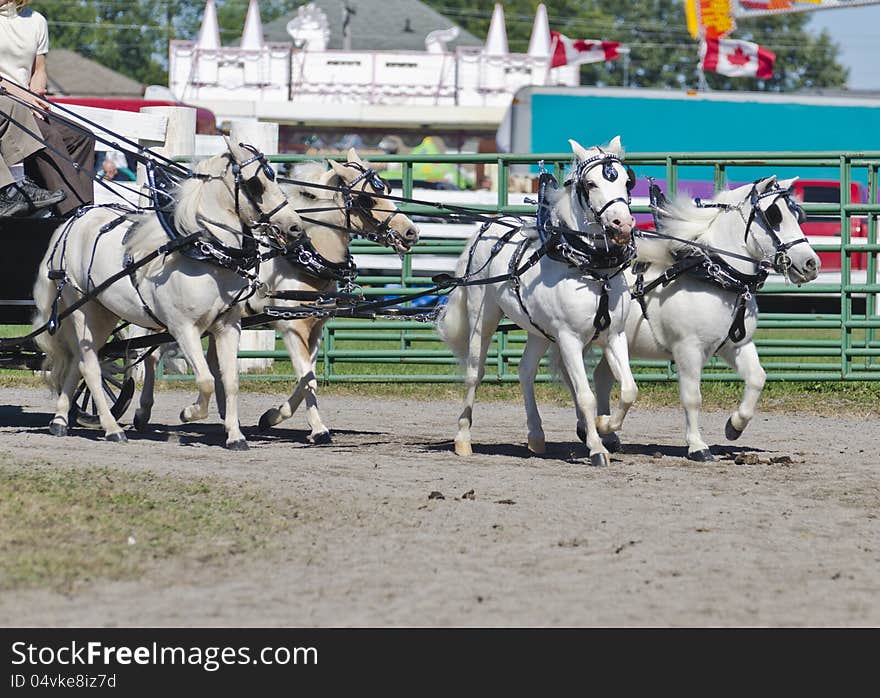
[824, 229]
[206, 122]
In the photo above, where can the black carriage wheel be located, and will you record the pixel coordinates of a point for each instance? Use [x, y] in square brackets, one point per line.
[118, 385]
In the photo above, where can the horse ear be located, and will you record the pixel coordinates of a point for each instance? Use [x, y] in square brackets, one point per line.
[763, 185]
[787, 183]
[579, 150]
[615, 146]
[337, 170]
[354, 157]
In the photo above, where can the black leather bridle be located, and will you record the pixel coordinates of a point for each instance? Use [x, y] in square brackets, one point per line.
[606, 161]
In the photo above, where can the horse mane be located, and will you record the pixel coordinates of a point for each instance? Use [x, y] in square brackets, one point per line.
[310, 171]
[683, 219]
[148, 234]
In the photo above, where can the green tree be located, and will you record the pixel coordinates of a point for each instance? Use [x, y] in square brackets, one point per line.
[131, 36]
[662, 52]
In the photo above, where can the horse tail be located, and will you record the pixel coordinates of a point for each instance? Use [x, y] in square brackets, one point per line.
[58, 353]
[453, 325]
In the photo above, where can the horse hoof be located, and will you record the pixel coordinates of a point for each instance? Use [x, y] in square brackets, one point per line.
[537, 445]
[704, 456]
[463, 448]
[730, 431]
[183, 418]
[269, 419]
[118, 437]
[141, 423]
[58, 429]
[599, 460]
[582, 434]
[611, 442]
[240, 445]
[322, 437]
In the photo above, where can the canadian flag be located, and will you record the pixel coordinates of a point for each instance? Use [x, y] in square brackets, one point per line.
[573, 51]
[737, 59]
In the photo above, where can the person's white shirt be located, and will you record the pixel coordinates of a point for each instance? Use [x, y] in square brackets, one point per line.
[24, 35]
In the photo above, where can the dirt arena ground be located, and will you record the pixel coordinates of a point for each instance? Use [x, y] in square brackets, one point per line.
[788, 537]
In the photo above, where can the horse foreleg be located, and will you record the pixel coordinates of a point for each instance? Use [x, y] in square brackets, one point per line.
[302, 343]
[475, 364]
[571, 352]
[603, 383]
[191, 345]
[617, 356]
[536, 347]
[744, 360]
[226, 341]
[690, 365]
[214, 365]
[145, 405]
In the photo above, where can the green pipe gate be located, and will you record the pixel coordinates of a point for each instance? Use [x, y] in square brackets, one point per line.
[803, 346]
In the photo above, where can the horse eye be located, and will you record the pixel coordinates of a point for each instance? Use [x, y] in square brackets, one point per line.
[590, 185]
[254, 187]
[364, 201]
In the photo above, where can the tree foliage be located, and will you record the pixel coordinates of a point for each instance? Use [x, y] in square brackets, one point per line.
[131, 36]
[662, 52]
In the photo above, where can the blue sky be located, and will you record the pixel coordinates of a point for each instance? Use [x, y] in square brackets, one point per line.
[857, 31]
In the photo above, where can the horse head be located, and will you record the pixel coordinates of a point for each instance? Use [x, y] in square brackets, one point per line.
[773, 229]
[601, 185]
[369, 211]
[259, 202]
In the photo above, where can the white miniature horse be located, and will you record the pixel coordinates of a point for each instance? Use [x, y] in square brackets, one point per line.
[553, 300]
[337, 203]
[712, 309]
[232, 193]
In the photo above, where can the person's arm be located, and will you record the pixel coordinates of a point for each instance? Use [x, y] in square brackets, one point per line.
[38, 75]
[14, 89]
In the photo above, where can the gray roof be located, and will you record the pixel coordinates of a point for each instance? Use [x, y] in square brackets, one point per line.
[378, 25]
[72, 74]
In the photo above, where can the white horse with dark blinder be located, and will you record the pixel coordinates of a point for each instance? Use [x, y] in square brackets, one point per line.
[232, 198]
[554, 300]
[711, 309]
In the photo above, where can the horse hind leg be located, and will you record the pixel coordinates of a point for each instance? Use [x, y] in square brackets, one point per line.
[92, 331]
[535, 348]
[745, 361]
[488, 317]
[59, 425]
[690, 365]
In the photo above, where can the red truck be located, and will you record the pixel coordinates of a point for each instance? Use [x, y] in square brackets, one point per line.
[824, 229]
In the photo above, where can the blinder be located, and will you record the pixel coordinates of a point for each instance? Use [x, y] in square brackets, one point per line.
[771, 220]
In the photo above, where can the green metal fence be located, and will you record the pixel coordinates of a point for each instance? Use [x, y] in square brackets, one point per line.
[840, 344]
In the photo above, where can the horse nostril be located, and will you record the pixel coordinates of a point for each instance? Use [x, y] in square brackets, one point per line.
[811, 264]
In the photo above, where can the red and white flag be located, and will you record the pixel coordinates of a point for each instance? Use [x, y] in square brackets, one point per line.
[737, 59]
[573, 51]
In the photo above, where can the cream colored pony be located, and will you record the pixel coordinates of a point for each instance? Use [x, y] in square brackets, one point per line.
[328, 231]
[188, 297]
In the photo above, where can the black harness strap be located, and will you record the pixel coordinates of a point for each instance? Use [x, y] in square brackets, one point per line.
[513, 272]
